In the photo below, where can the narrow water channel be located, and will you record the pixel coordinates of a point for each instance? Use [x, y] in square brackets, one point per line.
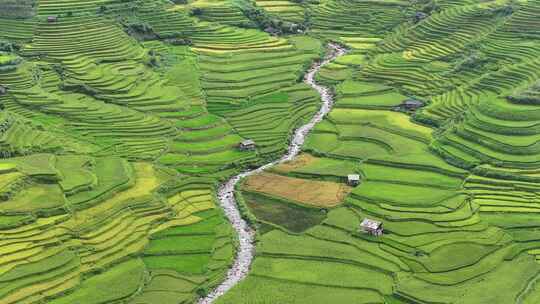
[246, 249]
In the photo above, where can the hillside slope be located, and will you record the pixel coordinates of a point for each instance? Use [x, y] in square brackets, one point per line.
[119, 119]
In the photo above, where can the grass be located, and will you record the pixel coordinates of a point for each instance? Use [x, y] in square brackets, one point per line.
[112, 173]
[295, 292]
[14, 220]
[444, 226]
[118, 283]
[180, 244]
[7, 59]
[463, 254]
[292, 217]
[206, 226]
[307, 192]
[48, 263]
[384, 100]
[122, 118]
[75, 173]
[186, 263]
[388, 173]
[324, 273]
[319, 167]
[36, 198]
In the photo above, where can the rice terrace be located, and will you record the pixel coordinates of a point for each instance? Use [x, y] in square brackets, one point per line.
[270, 151]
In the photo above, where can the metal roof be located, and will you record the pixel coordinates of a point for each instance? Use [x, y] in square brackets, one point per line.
[371, 224]
[353, 177]
[413, 102]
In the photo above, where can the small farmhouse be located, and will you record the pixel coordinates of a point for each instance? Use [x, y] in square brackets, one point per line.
[371, 227]
[412, 104]
[353, 180]
[52, 19]
[247, 145]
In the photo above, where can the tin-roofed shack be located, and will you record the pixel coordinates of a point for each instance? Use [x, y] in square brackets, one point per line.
[247, 145]
[372, 227]
[412, 104]
[353, 180]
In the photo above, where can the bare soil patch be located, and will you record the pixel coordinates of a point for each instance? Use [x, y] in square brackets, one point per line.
[301, 161]
[304, 191]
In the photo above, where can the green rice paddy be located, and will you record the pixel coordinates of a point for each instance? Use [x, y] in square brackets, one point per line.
[119, 119]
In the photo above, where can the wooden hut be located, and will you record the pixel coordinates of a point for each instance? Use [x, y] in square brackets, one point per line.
[353, 180]
[372, 227]
[412, 104]
[247, 145]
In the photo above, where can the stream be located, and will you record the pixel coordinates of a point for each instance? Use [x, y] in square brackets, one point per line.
[246, 234]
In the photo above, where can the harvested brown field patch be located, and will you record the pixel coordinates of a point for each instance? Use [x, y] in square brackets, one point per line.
[301, 161]
[304, 191]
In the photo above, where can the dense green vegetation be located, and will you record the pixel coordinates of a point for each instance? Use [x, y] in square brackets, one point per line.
[119, 118]
[456, 188]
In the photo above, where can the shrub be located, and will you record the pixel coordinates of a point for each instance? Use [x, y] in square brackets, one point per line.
[17, 8]
[470, 62]
[8, 46]
[530, 95]
[202, 291]
[196, 12]
[179, 41]
[269, 23]
[139, 27]
[7, 59]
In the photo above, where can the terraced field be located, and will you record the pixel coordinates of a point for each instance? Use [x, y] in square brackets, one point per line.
[453, 182]
[119, 120]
